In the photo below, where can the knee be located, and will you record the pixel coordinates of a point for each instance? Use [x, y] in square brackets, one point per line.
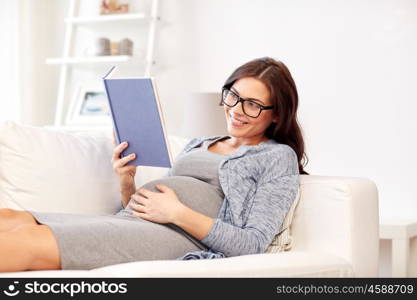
[44, 252]
[17, 215]
[31, 232]
[8, 213]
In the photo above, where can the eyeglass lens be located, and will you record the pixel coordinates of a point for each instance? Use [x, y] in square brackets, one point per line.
[249, 108]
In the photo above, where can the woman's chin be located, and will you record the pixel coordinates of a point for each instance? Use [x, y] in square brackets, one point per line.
[236, 131]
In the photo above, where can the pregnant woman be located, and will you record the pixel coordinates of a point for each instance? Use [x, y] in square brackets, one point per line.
[224, 196]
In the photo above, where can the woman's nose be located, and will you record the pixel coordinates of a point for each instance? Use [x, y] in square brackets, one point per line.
[238, 108]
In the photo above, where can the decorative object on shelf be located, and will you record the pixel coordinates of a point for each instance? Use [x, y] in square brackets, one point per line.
[105, 47]
[102, 47]
[113, 7]
[114, 48]
[88, 107]
[125, 47]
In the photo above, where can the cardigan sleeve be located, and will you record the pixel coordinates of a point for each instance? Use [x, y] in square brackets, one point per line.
[271, 203]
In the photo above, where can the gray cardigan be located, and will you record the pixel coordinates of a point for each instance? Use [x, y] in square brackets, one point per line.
[259, 182]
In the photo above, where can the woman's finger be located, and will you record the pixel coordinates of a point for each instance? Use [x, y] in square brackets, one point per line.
[139, 199]
[140, 215]
[126, 169]
[163, 188]
[146, 193]
[123, 161]
[114, 139]
[118, 150]
[137, 207]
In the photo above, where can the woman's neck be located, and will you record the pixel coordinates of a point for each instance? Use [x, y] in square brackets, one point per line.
[237, 142]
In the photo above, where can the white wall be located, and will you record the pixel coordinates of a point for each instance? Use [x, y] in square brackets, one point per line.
[40, 36]
[9, 102]
[355, 66]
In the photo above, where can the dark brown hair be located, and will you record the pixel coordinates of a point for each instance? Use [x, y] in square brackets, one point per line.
[284, 97]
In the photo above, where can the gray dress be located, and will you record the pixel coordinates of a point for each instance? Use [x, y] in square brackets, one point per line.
[92, 241]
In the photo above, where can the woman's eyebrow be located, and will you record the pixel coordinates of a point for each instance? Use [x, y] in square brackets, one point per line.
[234, 90]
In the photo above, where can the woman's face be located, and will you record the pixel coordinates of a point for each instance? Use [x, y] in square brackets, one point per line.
[254, 89]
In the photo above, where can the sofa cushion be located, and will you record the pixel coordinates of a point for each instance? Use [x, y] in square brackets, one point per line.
[67, 171]
[53, 171]
[283, 239]
[285, 264]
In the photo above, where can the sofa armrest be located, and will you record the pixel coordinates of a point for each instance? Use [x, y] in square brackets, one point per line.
[339, 215]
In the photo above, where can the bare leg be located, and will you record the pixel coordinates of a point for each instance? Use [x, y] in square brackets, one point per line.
[29, 247]
[11, 219]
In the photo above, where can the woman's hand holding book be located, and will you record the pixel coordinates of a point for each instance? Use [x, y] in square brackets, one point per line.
[125, 173]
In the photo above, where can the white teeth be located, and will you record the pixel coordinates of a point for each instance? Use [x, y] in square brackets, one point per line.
[238, 120]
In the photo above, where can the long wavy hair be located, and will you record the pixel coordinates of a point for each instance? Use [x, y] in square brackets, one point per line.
[284, 97]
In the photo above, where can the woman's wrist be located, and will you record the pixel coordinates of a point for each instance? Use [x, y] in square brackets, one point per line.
[193, 222]
[127, 185]
[179, 214]
[126, 191]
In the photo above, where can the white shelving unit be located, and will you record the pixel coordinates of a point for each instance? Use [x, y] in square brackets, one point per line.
[107, 18]
[88, 60]
[68, 61]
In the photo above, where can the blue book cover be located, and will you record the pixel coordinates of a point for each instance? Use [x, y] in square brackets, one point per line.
[138, 119]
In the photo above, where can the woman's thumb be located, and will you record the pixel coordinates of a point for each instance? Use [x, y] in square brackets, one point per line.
[162, 188]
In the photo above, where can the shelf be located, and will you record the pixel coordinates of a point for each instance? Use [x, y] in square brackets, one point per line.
[81, 128]
[91, 60]
[106, 18]
[83, 26]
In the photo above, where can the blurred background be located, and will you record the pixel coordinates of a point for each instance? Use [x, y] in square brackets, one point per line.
[354, 63]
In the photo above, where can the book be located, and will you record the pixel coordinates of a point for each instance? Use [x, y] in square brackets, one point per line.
[138, 119]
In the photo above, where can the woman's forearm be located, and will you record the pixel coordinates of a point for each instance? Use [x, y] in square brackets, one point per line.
[127, 193]
[193, 222]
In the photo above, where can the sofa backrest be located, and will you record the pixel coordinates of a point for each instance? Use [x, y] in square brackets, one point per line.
[55, 170]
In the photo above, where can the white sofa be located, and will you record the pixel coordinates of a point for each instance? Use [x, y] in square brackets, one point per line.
[334, 230]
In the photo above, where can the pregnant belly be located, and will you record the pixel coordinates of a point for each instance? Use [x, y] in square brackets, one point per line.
[194, 193]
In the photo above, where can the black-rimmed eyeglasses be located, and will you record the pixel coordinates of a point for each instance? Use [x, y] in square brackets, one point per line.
[250, 107]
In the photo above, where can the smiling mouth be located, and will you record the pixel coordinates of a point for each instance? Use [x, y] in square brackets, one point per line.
[237, 121]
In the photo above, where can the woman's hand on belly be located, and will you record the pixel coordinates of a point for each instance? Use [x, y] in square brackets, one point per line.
[163, 207]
